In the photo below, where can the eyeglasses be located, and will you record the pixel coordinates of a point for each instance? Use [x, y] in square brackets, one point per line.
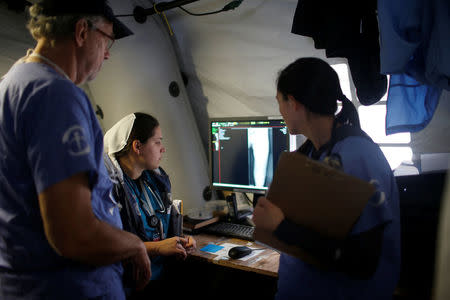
[111, 39]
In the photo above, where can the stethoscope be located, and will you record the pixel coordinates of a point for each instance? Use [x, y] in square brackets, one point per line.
[152, 220]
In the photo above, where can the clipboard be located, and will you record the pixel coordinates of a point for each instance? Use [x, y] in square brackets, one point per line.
[317, 196]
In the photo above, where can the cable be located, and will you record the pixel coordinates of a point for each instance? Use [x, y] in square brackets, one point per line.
[201, 14]
[232, 5]
[165, 19]
[132, 15]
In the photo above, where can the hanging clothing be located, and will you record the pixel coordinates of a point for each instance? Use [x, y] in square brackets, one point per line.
[346, 29]
[410, 105]
[415, 40]
[415, 43]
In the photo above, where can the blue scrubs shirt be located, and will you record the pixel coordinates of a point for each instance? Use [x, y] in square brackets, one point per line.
[48, 132]
[299, 280]
[152, 233]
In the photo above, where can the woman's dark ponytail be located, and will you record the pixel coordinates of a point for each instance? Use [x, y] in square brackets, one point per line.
[348, 114]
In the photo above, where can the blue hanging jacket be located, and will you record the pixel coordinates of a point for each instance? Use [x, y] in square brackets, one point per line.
[410, 105]
[414, 43]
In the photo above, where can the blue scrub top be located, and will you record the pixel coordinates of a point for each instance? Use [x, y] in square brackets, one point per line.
[48, 132]
[299, 280]
[152, 233]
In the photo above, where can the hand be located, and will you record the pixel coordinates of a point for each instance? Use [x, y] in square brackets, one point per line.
[141, 268]
[189, 244]
[266, 215]
[170, 246]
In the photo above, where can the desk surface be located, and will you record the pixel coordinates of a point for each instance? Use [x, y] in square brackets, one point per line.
[266, 262]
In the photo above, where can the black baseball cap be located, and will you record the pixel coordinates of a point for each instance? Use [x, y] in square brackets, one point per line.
[85, 7]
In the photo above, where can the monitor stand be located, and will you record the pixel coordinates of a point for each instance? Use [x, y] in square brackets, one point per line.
[255, 198]
[236, 215]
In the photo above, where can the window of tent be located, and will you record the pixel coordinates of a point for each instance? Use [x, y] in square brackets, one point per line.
[396, 147]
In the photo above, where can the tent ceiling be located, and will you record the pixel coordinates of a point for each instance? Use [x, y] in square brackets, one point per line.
[236, 55]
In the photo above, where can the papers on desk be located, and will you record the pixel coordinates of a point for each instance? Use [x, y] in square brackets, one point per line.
[222, 251]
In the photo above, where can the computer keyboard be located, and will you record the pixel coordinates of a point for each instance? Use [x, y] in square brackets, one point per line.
[240, 231]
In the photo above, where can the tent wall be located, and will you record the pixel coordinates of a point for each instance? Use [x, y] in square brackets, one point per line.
[136, 78]
[230, 60]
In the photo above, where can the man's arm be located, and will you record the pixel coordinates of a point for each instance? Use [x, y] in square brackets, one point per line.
[75, 232]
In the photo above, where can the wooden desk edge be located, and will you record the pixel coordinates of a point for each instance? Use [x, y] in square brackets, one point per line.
[267, 265]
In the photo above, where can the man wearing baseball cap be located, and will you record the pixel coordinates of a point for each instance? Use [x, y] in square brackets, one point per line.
[60, 228]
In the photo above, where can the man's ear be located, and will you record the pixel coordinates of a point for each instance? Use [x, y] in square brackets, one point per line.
[81, 32]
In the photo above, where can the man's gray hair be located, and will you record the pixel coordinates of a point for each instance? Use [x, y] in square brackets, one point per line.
[55, 27]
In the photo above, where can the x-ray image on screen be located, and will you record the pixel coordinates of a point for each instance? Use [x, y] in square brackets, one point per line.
[244, 152]
[260, 156]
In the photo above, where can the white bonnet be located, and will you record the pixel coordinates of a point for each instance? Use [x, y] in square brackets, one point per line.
[116, 138]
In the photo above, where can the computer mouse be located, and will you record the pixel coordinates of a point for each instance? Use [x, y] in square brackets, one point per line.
[239, 252]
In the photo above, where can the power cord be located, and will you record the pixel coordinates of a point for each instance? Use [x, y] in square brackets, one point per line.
[232, 5]
[140, 15]
[165, 19]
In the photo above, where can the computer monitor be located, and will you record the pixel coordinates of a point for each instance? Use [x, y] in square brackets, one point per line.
[244, 152]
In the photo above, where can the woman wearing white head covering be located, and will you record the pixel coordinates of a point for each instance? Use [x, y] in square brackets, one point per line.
[133, 151]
